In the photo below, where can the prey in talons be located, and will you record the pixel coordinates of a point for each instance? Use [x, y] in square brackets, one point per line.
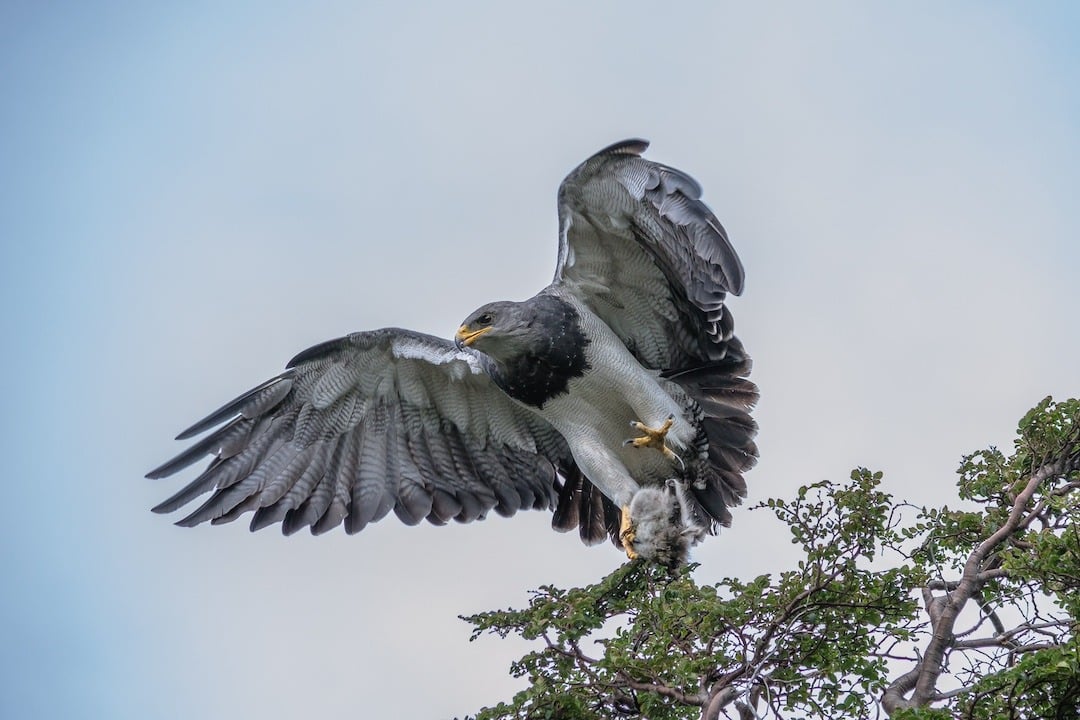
[659, 526]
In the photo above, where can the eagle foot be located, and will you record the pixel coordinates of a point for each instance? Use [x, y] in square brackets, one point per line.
[627, 533]
[654, 438]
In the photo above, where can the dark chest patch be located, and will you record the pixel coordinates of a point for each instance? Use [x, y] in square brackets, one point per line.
[554, 357]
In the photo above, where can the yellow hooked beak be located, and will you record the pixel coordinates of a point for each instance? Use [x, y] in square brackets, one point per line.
[465, 336]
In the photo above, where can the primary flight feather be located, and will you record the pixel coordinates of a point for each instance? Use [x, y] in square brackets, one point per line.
[617, 396]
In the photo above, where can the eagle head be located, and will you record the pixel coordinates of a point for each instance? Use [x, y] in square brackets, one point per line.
[500, 330]
[534, 347]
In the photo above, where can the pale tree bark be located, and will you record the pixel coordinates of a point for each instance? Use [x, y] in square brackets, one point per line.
[921, 681]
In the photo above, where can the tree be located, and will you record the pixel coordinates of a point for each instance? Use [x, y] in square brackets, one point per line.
[892, 609]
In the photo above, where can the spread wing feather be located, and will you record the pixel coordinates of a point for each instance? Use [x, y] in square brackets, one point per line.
[381, 421]
[639, 247]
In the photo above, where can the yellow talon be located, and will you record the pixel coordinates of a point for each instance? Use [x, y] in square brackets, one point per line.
[627, 533]
[654, 437]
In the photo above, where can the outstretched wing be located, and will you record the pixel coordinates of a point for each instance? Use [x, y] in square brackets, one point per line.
[369, 423]
[638, 246]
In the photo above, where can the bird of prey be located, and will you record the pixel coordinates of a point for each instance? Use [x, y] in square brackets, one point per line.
[617, 396]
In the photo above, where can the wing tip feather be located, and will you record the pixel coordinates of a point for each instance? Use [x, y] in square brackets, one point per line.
[630, 146]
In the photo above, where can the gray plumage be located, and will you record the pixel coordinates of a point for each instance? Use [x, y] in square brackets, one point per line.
[376, 421]
[531, 405]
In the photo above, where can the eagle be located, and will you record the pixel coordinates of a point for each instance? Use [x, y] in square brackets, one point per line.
[617, 397]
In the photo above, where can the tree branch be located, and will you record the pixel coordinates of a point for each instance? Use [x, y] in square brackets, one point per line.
[922, 680]
[719, 700]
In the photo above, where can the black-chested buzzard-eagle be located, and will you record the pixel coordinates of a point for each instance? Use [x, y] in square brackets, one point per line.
[617, 396]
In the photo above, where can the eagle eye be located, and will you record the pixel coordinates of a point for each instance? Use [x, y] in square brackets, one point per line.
[485, 319]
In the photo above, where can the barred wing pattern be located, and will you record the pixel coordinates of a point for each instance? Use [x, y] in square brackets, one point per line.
[372, 422]
[639, 247]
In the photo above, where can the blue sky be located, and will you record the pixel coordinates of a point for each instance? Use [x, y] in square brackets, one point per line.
[189, 196]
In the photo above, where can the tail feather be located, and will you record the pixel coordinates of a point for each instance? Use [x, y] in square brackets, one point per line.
[580, 505]
[726, 397]
[567, 510]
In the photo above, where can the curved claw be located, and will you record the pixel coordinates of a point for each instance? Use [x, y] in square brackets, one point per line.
[654, 438]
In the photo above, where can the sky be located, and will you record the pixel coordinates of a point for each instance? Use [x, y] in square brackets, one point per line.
[190, 195]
